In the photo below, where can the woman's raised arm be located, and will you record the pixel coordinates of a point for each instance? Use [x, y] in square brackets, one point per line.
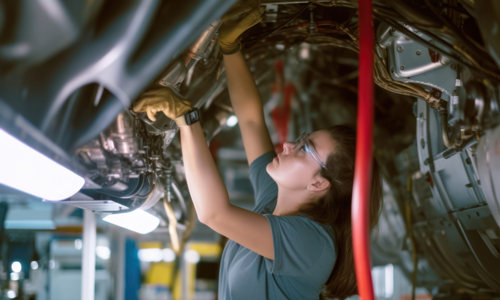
[247, 106]
[205, 185]
[244, 95]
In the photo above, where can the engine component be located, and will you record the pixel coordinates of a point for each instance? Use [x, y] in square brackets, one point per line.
[200, 49]
[450, 209]
[412, 62]
[153, 197]
[115, 154]
[393, 241]
[488, 165]
[467, 109]
[121, 137]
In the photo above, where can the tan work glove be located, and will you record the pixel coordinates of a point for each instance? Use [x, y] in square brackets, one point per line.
[237, 20]
[164, 100]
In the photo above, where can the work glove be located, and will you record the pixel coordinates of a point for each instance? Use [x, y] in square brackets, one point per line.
[237, 20]
[161, 100]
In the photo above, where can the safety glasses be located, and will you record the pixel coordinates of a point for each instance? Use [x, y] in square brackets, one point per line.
[303, 144]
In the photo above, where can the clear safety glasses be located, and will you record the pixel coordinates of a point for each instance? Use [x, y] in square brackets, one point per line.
[303, 143]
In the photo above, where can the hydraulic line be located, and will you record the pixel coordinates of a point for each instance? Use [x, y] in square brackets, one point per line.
[362, 173]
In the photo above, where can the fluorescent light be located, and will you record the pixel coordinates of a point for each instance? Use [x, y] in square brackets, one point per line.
[103, 252]
[16, 267]
[78, 244]
[191, 256]
[389, 280]
[27, 170]
[168, 255]
[232, 121]
[156, 255]
[137, 220]
[150, 254]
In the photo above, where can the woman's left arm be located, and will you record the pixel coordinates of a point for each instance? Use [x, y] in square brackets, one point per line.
[211, 201]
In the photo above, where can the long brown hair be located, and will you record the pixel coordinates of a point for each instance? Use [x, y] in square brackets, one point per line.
[334, 209]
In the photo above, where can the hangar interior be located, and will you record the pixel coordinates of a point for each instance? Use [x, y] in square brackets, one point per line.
[69, 71]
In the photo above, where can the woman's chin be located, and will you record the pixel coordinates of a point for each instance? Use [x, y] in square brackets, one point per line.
[270, 168]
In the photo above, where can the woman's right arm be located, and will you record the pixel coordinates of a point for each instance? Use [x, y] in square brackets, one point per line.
[247, 106]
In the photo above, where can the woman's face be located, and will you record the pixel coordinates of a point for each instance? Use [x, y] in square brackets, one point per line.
[296, 167]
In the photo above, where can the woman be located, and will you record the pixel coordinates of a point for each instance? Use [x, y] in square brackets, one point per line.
[296, 241]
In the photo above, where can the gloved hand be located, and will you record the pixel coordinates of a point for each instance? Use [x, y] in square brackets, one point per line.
[237, 20]
[164, 100]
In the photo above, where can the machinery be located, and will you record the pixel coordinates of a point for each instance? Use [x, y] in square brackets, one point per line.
[69, 71]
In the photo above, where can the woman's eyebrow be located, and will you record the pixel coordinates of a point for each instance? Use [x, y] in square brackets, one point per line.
[312, 143]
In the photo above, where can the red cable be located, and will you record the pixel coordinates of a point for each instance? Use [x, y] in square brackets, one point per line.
[281, 114]
[362, 173]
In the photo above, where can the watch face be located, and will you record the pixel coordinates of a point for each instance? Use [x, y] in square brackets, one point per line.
[192, 116]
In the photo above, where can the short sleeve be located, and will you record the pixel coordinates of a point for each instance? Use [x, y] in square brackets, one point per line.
[264, 187]
[300, 246]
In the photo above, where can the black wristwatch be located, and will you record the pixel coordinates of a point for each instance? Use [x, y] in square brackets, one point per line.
[188, 118]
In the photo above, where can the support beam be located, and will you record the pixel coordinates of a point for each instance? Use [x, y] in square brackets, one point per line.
[88, 257]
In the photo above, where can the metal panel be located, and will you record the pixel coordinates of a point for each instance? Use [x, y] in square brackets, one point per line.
[450, 212]
[488, 160]
[454, 181]
[97, 205]
[411, 61]
[108, 69]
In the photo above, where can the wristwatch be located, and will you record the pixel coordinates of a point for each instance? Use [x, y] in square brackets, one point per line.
[188, 118]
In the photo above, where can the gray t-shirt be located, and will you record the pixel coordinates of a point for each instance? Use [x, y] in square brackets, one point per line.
[304, 253]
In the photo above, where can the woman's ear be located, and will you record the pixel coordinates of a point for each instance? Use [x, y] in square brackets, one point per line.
[319, 184]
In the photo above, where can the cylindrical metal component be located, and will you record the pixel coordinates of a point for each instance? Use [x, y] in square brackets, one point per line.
[176, 74]
[198, 49]
[121, 137]
[154, 196]
[444, 129]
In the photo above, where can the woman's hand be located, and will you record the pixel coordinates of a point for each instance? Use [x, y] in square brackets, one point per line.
[242, 16]
[161, 100]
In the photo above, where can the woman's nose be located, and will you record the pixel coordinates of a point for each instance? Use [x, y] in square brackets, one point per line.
[287, 147]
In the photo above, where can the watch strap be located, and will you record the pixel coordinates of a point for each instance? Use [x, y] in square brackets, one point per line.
[188, 118]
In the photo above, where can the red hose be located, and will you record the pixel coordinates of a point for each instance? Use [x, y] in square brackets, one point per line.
[362, 172]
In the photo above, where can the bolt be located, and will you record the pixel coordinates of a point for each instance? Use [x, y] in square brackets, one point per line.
[419, 52]
[402, 67]
[436, 93]
[400, 49]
